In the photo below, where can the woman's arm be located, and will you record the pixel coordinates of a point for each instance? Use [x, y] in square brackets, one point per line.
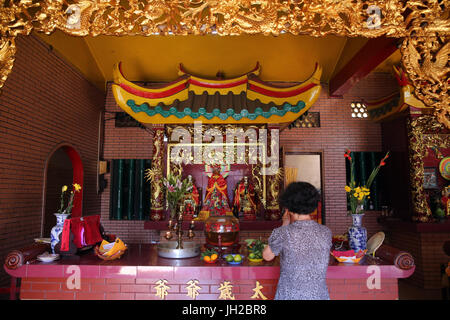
[267, 254]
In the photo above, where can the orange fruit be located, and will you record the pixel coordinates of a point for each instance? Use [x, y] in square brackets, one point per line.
[214, 257]
[207, 258]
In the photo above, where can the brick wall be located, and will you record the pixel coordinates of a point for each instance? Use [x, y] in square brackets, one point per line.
[124, 143]
[44, 102]
[338, 131]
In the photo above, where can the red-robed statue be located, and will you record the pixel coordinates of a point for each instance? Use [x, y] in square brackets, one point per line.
[191, 201]
[216, 199]
[244, 199]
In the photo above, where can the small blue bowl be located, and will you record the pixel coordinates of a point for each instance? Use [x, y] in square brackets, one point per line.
[233, 262]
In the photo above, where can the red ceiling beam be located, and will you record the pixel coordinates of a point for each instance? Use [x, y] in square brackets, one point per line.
[363, 62]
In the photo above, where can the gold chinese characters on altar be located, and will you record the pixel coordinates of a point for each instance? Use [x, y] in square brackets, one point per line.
[225, 290]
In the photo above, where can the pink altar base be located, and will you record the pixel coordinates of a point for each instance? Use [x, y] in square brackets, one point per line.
[134, 277]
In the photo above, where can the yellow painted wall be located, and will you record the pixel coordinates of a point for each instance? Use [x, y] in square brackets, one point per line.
[156, 58]
[76, 51]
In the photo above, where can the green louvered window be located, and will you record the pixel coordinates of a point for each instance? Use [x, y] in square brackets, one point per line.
[364, 163]
[130, 192]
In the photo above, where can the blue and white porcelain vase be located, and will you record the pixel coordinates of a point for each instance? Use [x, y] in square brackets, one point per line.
[56, 230]
[357, 234]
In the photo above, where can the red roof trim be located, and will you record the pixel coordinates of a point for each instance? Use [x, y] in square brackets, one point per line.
[217, 85]
[281, 94]
[154, 95]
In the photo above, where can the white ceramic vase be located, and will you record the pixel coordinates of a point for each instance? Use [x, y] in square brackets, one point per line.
[57, 229]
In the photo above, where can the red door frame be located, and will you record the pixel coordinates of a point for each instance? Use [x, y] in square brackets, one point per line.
[78, 175]
[77, 167]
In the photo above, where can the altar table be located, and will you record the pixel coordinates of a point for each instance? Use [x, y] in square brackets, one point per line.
[139, 273]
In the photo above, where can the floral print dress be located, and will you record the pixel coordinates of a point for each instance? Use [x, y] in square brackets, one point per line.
[304, 249]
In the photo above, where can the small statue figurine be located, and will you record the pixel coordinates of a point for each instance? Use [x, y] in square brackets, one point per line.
[191, 201]
[244, 200]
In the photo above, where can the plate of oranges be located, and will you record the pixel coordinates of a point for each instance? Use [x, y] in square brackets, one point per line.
[209, 256]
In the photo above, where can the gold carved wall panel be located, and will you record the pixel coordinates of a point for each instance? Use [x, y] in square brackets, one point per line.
[424, 26]
[424, 133]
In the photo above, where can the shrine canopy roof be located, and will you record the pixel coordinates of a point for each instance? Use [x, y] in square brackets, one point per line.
[391, 106]
[245, 99]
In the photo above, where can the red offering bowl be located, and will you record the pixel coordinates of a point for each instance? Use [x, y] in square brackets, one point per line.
[349, 256]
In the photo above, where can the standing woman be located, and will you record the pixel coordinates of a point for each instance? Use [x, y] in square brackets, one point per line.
[304, 246]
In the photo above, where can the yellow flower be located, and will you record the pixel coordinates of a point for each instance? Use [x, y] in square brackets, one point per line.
[348, 189]
[361, 196]
[64, 189]
[355, 195]
[77, 187]
[358, 190]
[366, 193]
[365, 189]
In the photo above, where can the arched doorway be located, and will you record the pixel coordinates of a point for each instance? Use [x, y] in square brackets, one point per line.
[63, 167]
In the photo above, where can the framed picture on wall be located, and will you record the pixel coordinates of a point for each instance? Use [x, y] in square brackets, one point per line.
[430, 180]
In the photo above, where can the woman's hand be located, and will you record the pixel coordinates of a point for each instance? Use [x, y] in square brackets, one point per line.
[286, 218]
[267, 253]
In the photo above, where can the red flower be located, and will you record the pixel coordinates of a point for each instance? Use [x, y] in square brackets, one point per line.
[347, 155]
[382, 163]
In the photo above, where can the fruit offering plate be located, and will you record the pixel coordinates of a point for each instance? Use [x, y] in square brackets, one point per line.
[209, 256]
[348, 256]
[233, 262]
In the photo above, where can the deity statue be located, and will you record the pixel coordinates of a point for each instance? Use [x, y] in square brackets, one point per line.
[244, 199]
[216, 199]
[191, 200]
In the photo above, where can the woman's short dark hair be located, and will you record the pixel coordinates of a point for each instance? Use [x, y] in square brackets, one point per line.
[300, 198]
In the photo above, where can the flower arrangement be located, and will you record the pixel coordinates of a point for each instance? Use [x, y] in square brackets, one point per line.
[68, 210]
[176, 189]
[357, 193]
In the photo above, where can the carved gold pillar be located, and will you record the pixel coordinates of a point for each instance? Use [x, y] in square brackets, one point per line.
[157, 190]
[273, 178]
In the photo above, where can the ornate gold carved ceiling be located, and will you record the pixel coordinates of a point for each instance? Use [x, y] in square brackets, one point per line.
[423, 25]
